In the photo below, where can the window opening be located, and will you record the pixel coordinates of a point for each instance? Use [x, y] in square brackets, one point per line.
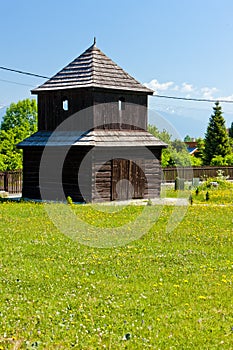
[121, 104]
[65, 105]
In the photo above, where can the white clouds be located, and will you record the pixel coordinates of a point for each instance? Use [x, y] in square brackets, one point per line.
[184, 87]
[208, 93]
[176, 88]
[226, 98]
[179, 111]
[156, 86]
[187, 87]
[185, 90]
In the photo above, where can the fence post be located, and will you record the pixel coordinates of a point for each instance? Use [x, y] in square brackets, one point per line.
[6, 181]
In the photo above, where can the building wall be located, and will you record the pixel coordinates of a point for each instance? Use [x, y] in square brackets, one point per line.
[77, 175]
[149, 164]
[153, 173]
[50, 181]
[51, 113]
[93, 181]
[133, 113]
[31, 165]
[90, 108]
[102, 181]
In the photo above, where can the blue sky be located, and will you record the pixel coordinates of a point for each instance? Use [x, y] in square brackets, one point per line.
[177, 47]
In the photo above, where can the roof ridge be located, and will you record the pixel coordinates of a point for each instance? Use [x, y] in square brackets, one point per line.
[94, 72]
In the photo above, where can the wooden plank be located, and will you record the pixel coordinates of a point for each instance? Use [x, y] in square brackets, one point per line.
[133, 174]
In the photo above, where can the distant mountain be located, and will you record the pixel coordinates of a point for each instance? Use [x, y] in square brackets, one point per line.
[180, 122]
[178, 125]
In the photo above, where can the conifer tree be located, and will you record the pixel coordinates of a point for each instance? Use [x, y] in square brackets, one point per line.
[216, 137]
[231, 131]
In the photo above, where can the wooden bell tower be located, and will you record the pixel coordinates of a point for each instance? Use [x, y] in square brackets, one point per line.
[93, 105]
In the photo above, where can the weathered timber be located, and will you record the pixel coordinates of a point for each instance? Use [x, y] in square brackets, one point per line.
[92, 122]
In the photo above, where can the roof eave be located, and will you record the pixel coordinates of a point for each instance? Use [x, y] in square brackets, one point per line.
[36, 91]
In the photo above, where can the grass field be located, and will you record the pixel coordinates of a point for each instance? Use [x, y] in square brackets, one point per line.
[166, 290]
[223, 194]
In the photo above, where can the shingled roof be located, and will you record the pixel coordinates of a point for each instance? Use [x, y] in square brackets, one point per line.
[92, 69]
[97, 138]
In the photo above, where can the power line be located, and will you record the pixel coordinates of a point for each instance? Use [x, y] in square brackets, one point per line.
[193, 99]
[25, 73]
[159, 96]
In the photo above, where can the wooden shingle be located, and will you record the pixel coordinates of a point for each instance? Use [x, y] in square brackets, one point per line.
[97, 138]
[92, 69]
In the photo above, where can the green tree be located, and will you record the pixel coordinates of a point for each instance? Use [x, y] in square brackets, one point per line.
[19, 122]
[231, 131]
[176, 153]
[179, 145]
[218, 161]
[188, 138]
[162, 135]
[179, 158]
[195, 161]
[165, 137]
[222, 161]
[229, 159]
[216, 137]
[22, 113]
[201, 148]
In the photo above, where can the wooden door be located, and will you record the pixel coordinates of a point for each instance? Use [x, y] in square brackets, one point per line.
[128, 179]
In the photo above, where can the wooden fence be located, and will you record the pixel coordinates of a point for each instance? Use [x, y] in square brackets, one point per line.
[11, 181]
[188, 173]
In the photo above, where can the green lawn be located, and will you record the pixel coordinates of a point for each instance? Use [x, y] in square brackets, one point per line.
[166, 290]
[219, 195]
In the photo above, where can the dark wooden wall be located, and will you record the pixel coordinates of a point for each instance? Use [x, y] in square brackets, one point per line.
[134, 174]
[153, 174]
[31, 165]
[70, 170]
[99, 108]
[77, 181]
[102, 181]
[51, 113]
[98, 177]
[143, 171]
[108, 116]
[90, 108]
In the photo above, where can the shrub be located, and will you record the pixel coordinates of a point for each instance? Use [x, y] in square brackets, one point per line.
[222, 161]
[229, 159]
[196, 161]
[218, 161]
[221, 181]
[69, 200]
